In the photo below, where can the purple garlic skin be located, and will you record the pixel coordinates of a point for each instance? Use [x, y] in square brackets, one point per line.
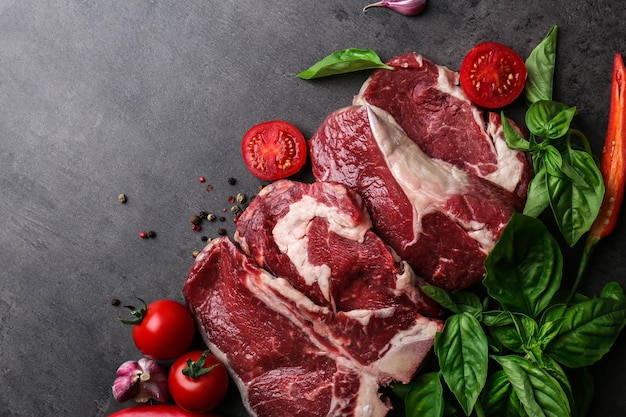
[405, 7]
[141, 381]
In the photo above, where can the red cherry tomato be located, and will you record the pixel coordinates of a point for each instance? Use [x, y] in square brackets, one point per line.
[202, 385]
[273, 150]
[163, 329]
[492, 75]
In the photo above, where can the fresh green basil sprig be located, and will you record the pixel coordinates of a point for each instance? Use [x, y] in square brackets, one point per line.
[344, 61]
[567, 178]
[520, 351]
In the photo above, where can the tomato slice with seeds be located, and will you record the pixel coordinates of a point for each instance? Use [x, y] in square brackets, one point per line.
[273, 150]
[492, 75]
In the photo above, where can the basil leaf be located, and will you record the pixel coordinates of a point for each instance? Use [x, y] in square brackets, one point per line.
[441, 297]
[576, 197]
[541, 394]
[462, 351]
[499, 398]
[344, 61]
[589, 329]
[552, 161]
[540, 65]
[537, 198]
[613, 291]
[549, 119]
[424, 397]
[524, 268]
[513, 139]
[468, 302]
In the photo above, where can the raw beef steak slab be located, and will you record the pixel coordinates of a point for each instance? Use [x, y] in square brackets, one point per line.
[426, 100]
[338, 316]
[442, 220]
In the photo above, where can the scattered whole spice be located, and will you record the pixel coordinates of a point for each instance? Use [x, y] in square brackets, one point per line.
[232, 181]
[211, 217]
[195, 220]
[235, 209]
[195, 253]
[222, 218]
[209, 187]
[204, 238]
[202, 179]
[203, 214]
[231, 199]
[122, 198]
[241, 198]
[221, 231]
[151, 234]
[143, 235]
[196, 227]
[115, 301]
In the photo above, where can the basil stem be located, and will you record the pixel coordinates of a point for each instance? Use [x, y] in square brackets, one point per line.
[344, 61]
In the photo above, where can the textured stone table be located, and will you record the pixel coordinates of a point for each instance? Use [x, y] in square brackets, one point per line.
[99, 98]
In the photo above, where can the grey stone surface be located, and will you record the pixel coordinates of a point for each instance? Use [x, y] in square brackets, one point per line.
[99, 98]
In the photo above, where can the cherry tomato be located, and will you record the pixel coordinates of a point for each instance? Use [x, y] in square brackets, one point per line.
[273, 150]
[163, 329]
[492, 75]
[198, 381]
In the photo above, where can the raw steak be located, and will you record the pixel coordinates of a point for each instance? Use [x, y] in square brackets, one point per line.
[338, 316]
[426, 100]
[442, 220]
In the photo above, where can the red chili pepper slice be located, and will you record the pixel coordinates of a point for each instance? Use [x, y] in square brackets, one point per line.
[613, 160]
[159, 410]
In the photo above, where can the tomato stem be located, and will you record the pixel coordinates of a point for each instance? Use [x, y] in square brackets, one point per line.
[138, 313]
[196, 369]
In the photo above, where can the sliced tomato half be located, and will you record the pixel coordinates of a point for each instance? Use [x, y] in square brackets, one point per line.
[273, 150]
[492, 75]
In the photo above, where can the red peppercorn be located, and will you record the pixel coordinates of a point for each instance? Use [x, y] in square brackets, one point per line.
[202, 179]
[196, 227]
[143, 235]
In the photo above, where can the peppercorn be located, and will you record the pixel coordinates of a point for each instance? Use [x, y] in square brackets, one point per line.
[202, 179]
[211, 217]
[195, 220]
[122, 198]
[232, 181]
[203, 214]
[196, 227]
[151, 234]
[143, 235]
[222, 218]
[241, 198]
[221, 231]
[195, 253]
[235, 209]
[231, 199]
[115, 302]
[204, 238]
[209, 187]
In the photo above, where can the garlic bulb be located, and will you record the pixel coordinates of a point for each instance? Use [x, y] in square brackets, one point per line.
[141, 381]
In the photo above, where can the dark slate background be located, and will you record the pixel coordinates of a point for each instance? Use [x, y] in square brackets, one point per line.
[99, 98]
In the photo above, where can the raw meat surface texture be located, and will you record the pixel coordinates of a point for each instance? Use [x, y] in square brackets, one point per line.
[439, 218]
[426, 100]
[321, 309]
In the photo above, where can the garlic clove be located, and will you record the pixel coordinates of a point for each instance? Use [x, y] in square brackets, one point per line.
[405, 7]
[141, 381]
